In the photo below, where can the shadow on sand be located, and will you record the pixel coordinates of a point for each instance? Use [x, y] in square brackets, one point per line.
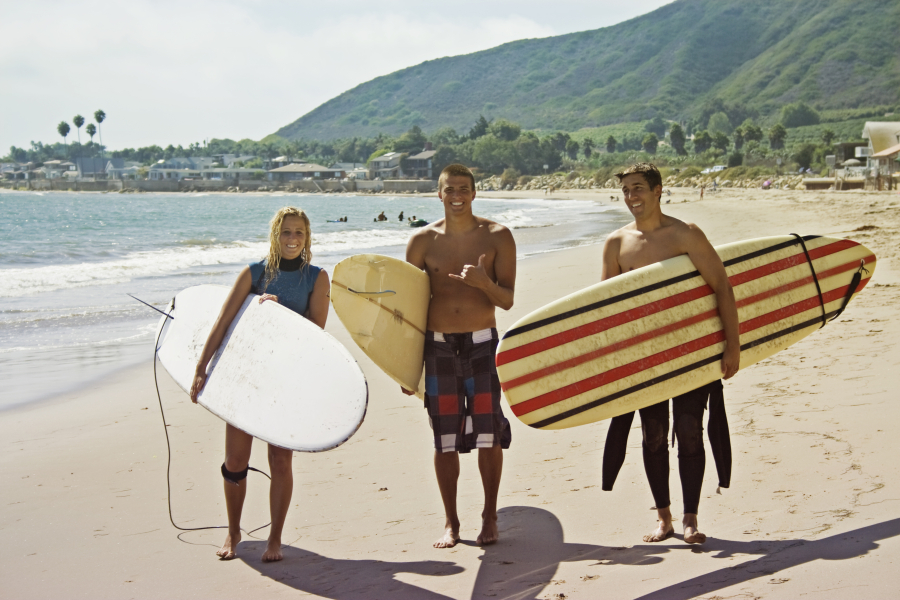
[775, 556]
[520, 566]
[345, 579]
[523, 564]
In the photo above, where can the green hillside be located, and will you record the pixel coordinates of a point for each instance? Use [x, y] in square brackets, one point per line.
[831, 54]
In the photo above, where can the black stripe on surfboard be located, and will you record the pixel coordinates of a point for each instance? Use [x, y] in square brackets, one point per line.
[648, 288]
[673, 374]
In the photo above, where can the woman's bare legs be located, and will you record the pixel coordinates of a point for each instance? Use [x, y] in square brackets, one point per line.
[237, 456]
[280, 491]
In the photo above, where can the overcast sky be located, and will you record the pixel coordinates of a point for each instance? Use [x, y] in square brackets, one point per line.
[182, 71]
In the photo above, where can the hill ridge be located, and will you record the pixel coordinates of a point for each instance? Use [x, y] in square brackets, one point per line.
[832, 54]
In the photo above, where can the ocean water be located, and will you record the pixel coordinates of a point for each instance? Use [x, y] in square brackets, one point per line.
[67, 261]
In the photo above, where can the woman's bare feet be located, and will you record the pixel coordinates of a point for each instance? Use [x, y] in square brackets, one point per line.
[273, 551]
[489, 532]
[664, 531]
[229, 548]
[691, 534]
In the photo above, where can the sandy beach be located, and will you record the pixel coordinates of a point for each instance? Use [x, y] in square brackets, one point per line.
[809, 514]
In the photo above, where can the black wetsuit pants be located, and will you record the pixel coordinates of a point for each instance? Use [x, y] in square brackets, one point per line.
[687, 412]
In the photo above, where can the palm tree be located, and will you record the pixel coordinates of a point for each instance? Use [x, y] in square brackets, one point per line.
[587, 147]
[91, 131]
[63, 129]
[100, 116]
[79, 121]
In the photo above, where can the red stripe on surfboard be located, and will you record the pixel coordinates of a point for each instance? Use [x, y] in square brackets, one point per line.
[600, 325]
[790, 261]
[822, 275]
[617, 373]
[578, 360]
[594, 354]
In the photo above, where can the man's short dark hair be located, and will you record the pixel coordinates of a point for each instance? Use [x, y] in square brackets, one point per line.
[648, 170]
[455, 170]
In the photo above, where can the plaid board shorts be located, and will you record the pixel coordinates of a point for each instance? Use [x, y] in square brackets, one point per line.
[462, 391]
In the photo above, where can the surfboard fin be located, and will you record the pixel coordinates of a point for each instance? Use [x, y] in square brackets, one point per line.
[851, 289]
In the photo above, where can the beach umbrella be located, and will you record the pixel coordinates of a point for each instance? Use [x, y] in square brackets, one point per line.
[852, 162]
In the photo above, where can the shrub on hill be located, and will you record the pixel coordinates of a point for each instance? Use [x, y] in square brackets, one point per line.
[798, 115]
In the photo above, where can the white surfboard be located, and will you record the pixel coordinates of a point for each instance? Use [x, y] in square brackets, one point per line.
[276, 375]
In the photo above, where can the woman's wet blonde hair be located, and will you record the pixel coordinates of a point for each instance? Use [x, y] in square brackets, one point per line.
[274, 256]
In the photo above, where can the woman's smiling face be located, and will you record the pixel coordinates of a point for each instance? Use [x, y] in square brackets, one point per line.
[292, 237]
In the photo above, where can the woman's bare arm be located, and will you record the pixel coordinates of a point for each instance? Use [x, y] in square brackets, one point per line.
[318, 300]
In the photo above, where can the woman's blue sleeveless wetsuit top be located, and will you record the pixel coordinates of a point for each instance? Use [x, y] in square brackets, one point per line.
[292, 285]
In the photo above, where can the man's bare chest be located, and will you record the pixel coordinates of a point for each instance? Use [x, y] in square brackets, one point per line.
[639, 251]
[450, 256]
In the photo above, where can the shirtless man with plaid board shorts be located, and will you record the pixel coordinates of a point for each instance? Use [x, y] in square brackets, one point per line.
[471, 262]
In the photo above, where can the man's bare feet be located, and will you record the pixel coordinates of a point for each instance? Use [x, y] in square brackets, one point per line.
[273, 551]
[691, 534]
[664, 531]
[449, 539]
[229, 548]
[489, 532]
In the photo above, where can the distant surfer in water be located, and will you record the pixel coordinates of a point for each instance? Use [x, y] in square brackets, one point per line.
[651, 238]
[287, 277]
[471, 263]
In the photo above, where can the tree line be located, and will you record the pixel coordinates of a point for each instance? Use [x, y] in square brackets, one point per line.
[496, 146]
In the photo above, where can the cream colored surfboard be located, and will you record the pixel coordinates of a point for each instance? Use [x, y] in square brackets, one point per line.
[654, 333]
[383, 303]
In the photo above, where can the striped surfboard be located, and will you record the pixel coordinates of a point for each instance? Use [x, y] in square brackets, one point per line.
[654, 333]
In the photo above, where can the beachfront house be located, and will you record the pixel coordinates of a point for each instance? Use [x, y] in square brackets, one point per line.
[158, 173]
[119, 168]
[283, 161]
[386, 166]
[295, 172]
[418, 166]
[881, 136]
[90, 168]
[882, 151]
[232, 173]
[179, 168]
[57, 169]
[228, 160]
[353, 170]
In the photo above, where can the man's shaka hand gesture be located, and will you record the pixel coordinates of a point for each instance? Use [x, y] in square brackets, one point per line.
[474, 275]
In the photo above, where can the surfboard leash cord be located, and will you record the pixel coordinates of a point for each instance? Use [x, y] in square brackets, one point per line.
[162, 413]
[851, 289]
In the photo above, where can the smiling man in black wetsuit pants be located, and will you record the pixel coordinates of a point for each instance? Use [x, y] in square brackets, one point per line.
[651, 238]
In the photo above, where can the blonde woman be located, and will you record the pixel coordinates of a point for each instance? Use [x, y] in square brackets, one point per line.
[287, 277]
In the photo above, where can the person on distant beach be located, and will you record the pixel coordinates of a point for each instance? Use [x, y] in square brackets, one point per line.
[400, 218]
[702, 189]
[650, 238]
[287, 277]
[471, 263]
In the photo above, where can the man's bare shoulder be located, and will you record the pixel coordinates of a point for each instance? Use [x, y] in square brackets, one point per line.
[621, 232]
[427, 232]
[494, 229]
[686, 231]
